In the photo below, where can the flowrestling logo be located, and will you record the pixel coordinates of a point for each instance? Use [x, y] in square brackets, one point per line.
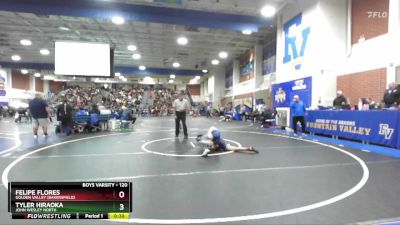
[377, 15]
[386, 131]
[295, 34]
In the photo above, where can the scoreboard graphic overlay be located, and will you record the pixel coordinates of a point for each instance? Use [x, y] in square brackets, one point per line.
[70, 200]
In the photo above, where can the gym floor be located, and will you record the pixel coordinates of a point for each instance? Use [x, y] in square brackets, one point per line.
[291, 181]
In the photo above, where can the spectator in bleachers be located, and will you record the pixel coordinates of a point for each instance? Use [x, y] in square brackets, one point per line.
[127, 114]
[267, 116]
[340, 101]
[208, 110]
[221, 110]
[81, 112]
[242, 111]
[372, 104]
[391, 97]
[143, 99]
[22, 112]
[254, 116]
[94, 109]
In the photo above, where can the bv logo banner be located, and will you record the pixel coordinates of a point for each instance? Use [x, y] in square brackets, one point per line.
[294, 32]
[386, 131]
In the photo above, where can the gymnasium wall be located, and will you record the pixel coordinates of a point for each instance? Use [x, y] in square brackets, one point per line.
[372, 61]
[369, 19]
[194, 89]
[19, 80]
[225, 101]
[56, 86]
[363, 84]
[311, 37]
[333, 48]
[38, 84]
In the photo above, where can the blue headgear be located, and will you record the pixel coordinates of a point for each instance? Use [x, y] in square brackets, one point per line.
[216, 134]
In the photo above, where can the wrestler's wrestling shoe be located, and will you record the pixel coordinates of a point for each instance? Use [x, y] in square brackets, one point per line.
[252, 149]
[198, 138]
[206, 152]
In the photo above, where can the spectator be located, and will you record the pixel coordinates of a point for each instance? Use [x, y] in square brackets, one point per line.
[373, 104]
[255, 115]
[95, 109]
[392, 96]
[127, 114]
[243, 111]
[267, 116]
[275, 113]
[340, 101]
[298, 111]
[40, 114]
[81, 112]
[208, 110]
[64, 115]
[221, 110]
[22, 112]
[143, 99]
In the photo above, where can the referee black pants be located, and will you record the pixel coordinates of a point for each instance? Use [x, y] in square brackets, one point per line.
[300, 119]
[180, 116]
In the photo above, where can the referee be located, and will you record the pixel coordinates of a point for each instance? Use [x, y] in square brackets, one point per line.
[181, 105]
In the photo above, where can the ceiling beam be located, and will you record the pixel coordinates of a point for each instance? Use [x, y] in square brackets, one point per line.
[209, 44]
[121, 69]
[127, 35]
[105, 10]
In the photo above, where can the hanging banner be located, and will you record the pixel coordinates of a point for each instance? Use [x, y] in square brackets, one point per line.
[3, 83]
[296, 39]
[229, 75]
[283, 93]
[246, 101]
[269, 59]
[3, 90]
[246, 66]
[237, 102]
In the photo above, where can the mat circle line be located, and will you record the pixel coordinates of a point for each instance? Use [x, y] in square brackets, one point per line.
[144, 148]
[329, 201]
[309, 207]
[16, 145]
